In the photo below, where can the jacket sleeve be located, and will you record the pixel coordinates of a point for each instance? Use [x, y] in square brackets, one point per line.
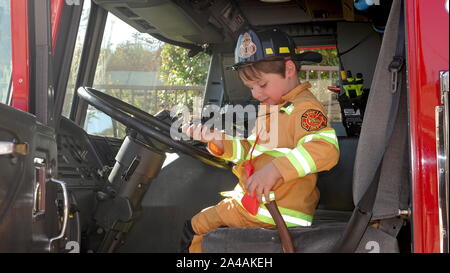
[317, 147]
[235, 149]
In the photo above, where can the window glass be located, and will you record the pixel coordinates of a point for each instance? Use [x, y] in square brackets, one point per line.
[321, 76]
[144, 72]
[76, 58]
[5, 49]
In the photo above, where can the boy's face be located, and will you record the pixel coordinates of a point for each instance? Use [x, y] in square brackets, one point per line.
[269, 88]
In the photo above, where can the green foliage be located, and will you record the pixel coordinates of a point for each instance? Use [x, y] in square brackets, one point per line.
[147, 55]
[178, 69]
[141, 54]
[131, 56]
[329, 58]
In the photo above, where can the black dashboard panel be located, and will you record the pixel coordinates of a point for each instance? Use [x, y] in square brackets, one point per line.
[79, 165]
[83, 164]
[107, 148]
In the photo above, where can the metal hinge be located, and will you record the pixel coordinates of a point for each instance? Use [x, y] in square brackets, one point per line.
[444, 85]
[404, 213]
[7, 148]
[442, 152]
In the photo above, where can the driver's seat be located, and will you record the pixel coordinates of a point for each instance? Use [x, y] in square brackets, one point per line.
[393, 190]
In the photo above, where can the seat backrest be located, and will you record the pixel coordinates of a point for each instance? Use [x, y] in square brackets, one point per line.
[385, 128]
[335, 185]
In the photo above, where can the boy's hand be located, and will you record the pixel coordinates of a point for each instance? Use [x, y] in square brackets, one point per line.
[202, 133]
[199, 132]
[263, 181]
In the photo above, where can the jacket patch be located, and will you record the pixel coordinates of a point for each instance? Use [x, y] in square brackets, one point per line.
[313, 120]
[247, 48]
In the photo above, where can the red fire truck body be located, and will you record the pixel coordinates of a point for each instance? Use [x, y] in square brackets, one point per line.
[427, 47]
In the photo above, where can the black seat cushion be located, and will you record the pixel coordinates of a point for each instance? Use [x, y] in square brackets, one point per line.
[319, 238]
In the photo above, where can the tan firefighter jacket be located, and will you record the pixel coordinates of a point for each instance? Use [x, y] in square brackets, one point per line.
[297, 137]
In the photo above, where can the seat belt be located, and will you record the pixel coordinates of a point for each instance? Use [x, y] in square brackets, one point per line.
[251, 204]
[363, 212]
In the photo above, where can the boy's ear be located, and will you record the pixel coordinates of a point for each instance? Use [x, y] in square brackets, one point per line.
[291, 69]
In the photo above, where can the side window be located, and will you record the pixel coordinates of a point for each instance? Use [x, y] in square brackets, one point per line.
[5, 49]
[322, 76]
[144, 72]
[76, 59]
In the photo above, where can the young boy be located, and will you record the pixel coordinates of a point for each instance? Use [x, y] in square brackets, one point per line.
[285, 171]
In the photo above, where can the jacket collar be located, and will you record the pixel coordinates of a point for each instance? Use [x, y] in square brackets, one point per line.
[289, 96]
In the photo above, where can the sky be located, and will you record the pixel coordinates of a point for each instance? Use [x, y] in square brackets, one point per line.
[116, 31]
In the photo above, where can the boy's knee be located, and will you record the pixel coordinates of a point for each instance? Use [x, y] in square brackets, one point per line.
[206, 220]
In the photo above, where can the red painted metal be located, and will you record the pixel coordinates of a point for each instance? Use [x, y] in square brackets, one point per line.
[316, 47]
[427, 52]
[20, 55]
[427, 42]
[20, 50]
[56, 9]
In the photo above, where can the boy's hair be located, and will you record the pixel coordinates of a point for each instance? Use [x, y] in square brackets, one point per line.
[274, 65]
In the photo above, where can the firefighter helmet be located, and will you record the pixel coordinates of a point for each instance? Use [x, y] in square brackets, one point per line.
[254, 46]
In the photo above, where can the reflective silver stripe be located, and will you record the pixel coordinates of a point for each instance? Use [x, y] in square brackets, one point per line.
[238, 155]
[308, 138]
[303, 165]
[237, 195]
[282, 150]
[271, 197]
[286, 218]
[302, 161]
[330, 135]
[255, 153]
[237, 151]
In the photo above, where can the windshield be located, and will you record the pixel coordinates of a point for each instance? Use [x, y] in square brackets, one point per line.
[145, 72]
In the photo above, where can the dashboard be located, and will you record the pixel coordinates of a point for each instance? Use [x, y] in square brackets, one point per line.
[79, 165]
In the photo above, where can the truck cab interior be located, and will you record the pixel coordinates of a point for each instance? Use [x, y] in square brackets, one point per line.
[133, 191]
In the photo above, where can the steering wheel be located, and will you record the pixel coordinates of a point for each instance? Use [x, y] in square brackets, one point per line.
[146, 124]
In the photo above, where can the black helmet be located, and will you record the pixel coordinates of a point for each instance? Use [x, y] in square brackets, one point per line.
[253, 46]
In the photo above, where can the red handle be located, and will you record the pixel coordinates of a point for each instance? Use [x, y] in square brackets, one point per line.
[251, 204]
